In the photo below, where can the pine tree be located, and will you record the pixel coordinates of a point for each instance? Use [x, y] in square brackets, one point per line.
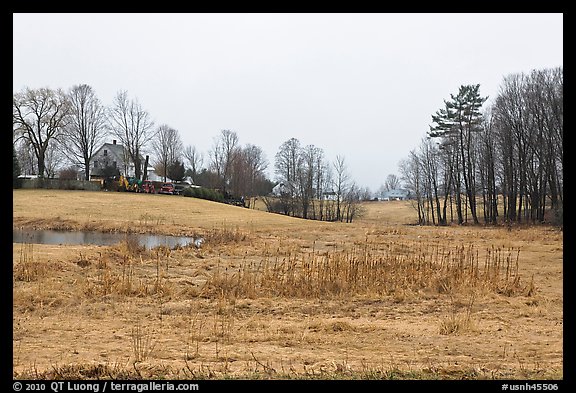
[457, 125]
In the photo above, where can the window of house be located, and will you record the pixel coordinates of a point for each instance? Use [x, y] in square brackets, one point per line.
[114, 164]
[105, 152]
[95, 164]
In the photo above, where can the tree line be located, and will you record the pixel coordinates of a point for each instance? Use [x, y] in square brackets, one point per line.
[502, 164]
[309, 186]
[55, 128]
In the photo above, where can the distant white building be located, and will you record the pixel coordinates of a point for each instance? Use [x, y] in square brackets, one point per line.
[288, 188]
[153, 176]
[330, 195]
[110, 155]
[283, 188]
[113, 155]
[395, 195]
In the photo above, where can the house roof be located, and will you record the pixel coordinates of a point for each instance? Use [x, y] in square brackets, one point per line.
[115, 149]
[115, 152]
[396, 192]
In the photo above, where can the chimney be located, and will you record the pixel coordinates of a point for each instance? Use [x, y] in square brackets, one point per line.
[113, 141]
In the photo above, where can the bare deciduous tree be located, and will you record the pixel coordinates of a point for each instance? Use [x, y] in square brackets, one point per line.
[528, 121]
[86, 128]
[195, 160]
[39, 117]
[307, 175]
[392, 182]
[341, 179]
[351, 207]
[411, 173]
[222, 156]
[287, 161]
[131, 124]
[256, 163]
[167, 146]
[510, 152]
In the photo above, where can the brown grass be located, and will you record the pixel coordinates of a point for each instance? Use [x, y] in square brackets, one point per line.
[371, 270]
[268, 296]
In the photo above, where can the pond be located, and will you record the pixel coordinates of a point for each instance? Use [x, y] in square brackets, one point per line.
[98, 238]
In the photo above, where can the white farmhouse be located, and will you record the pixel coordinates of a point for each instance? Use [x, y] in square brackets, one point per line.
[395, 195]
[112, 156]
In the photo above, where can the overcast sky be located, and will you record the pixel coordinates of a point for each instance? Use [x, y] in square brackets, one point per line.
[359, 85]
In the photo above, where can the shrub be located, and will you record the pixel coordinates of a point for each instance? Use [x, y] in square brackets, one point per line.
[203, 193]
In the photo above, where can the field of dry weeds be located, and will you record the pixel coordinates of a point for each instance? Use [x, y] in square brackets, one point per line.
[274, 297]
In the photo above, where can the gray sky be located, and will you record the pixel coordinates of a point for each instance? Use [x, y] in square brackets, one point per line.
[359, 85]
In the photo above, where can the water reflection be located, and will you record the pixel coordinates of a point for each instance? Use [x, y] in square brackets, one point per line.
[97, 238]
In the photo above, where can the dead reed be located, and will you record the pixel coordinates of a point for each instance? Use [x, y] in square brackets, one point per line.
[27, 269]
[224, 235]
[129, 276]
[371, 269]
[457, 322]
[143, 342]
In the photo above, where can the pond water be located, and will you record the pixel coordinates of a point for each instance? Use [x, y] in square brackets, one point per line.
[98, 238]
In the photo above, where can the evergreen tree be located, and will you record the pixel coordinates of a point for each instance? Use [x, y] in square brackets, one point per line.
[176, 171]
[457, 126]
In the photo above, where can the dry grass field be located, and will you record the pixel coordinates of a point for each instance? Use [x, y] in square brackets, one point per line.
[274, 297]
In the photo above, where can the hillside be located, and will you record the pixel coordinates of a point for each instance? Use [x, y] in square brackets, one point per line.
[269, 296]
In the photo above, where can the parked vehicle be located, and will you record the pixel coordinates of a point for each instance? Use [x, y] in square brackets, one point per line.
[147, 187]
[180, 187]
[128, 184]
[168, 188]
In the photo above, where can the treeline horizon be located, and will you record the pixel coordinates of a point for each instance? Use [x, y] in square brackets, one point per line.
[508, 158]
[58, 132]
[500, 164]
